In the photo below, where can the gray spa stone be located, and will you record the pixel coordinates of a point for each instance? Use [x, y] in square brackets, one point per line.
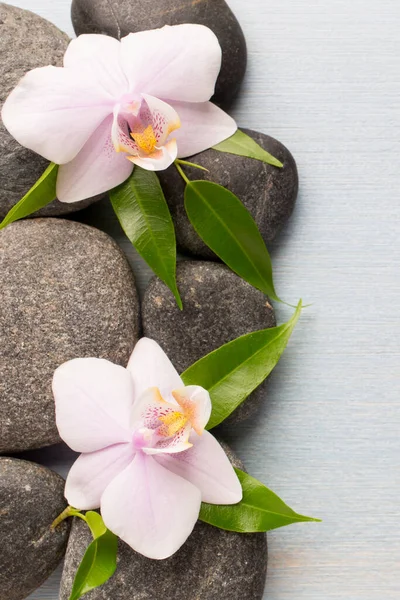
[31, 497]
[218, 307]
[27, 41]
[67, 292]
[269, 193]
[120, 17]
[212, 565]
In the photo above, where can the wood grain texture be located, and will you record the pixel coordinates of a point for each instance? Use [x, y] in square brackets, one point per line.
[324, 78]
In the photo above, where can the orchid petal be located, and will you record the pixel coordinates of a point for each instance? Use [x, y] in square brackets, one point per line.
[92, 473]
[151, 509]
[207, 467]
[176, 63]
[159, 160]
[151, 367]
[202, 126]
[100, 56]
[96, 169]
[93, 402]
[54, 111]
[195, 401]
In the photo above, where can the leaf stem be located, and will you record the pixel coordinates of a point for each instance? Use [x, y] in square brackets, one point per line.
[182, 174]
[179, 161]
[68, 512]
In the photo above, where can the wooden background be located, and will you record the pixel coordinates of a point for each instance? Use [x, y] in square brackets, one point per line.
[324, 78]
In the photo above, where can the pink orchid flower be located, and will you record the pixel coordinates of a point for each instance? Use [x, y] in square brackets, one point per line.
[146, 460]
[143, 100]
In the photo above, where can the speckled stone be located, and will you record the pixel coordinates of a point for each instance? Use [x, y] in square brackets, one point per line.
[212, 565]
[67, 291]
[31, 497]
[218, 307]
[269, 193]
[120, 17]
[26, 42]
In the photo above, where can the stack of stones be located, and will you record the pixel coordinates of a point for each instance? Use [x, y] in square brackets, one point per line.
[68, 291]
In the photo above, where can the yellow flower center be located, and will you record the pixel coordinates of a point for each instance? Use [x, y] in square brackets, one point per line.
[172, 423]
[146, 140]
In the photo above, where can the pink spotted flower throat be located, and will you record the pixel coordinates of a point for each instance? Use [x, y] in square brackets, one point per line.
[142, 129]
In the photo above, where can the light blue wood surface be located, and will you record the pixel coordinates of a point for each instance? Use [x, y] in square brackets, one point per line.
[324, 78]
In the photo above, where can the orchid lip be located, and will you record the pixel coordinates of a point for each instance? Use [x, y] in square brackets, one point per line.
[142, 128]
[165, 429]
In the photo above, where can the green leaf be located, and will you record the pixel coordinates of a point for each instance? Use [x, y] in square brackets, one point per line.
[100, 559]
[259, 510]
[96, 524]
[243, 145]
[41, 194]
[228, 228]
[142, 210]
[233, 371]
